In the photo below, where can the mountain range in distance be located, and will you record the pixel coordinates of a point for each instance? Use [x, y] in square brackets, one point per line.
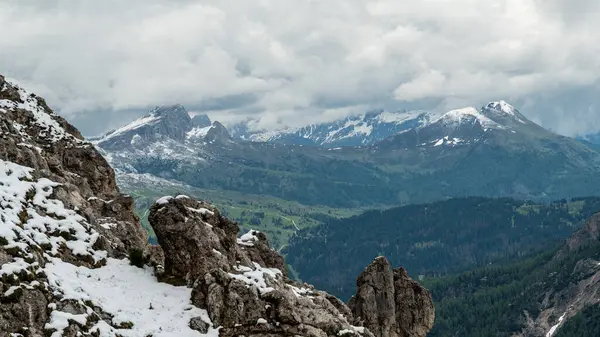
[359, 130]
[494, 151]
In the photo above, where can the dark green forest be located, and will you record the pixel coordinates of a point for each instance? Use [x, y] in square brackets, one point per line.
[492, 301]
[434, 239]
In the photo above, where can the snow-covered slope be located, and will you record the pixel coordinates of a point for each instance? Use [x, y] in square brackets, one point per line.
[469, 126]
[52, 228]
[351, 131]
[65, 232]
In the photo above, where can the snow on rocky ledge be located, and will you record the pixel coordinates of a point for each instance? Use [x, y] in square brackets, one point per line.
[32, 221]
[43, 118]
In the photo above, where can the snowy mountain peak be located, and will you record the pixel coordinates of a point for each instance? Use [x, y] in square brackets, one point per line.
[169, 110]
[163, 122]
[494, 115]
[502, 106]
[363, 129]
[468, 115]
[503, 109]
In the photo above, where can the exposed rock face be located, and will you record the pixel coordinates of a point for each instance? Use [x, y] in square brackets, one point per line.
[58, 200]
[415, 313]
[197, 240]
[32, 135]
[241, 282]
[584, 237]
[390, 304]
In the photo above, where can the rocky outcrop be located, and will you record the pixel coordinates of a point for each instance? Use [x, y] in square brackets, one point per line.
[33, 136]
[58, 200]
[242, 283]
[390, 304]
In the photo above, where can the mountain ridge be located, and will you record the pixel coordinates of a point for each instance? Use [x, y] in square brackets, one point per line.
[449, 157]
[358, 130]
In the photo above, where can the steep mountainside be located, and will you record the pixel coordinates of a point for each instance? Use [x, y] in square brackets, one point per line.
[494, 151]
[538, 297]
[351, 131]
[433, 239]
[74, 260]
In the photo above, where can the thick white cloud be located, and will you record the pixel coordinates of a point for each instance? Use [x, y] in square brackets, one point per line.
[293, 62]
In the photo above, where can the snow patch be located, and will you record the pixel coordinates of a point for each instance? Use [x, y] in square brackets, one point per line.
[198, 132]
[503, 107]
[468, 115]
[164, 200]
[202, 211]
[449, 141]
[131, 295]
[255, 277]
[261, 321]
[136, 124]
[248, 239]
[554, 328]
[356, 330]
[22, 226]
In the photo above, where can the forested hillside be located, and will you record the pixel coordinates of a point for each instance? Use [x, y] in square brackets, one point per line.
[433, 239]
[492, 301]
[553, 292]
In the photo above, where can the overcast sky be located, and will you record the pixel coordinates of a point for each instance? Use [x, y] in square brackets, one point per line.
[101, 63]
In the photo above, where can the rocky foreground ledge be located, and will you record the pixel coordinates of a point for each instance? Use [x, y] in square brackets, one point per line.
[68, 239]
[242, 282]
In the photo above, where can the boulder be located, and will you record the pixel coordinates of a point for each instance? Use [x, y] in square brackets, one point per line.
[390, 304]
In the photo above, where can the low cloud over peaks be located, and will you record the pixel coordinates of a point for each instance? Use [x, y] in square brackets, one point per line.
[287, 62]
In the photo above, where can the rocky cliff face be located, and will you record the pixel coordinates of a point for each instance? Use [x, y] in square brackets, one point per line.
[68, 240]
